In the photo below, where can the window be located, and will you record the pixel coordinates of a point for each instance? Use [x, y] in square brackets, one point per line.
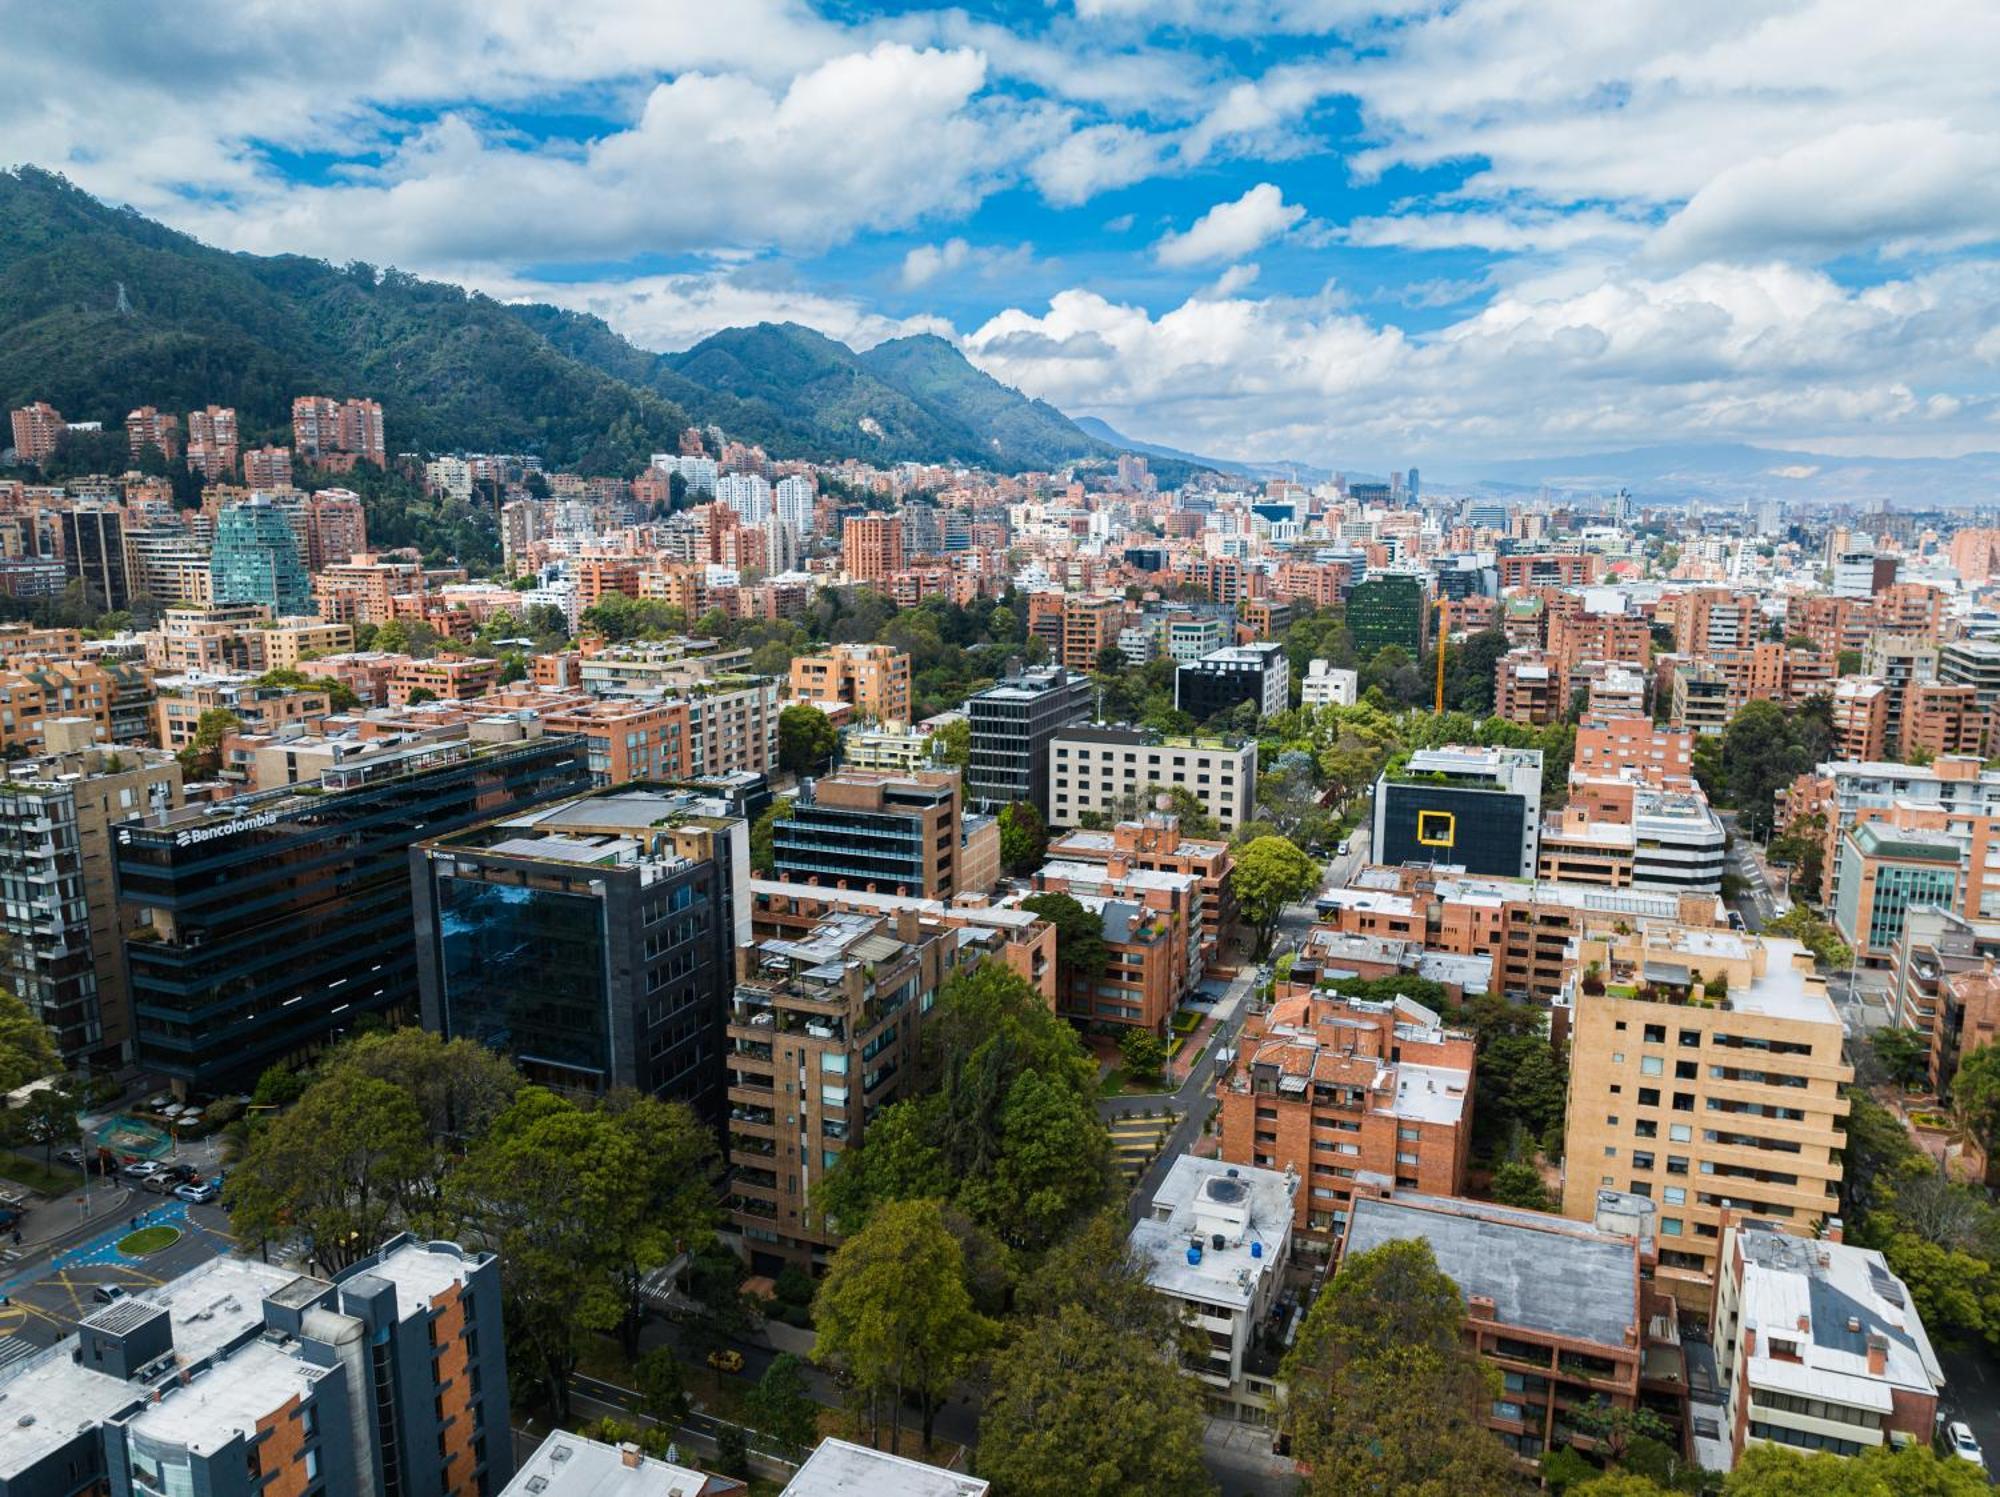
[1685, 1070]
[1683, 1101]
[1670, 1226]
[1651, 1065]
[1611, 1120]
[1677, 1164]
[1691, 1039]
[1649, 1096]
[1641, 1160]
[1675, 1195]
[1680, 1133]
[1646, 1128]
[1656, 1034]
[1610, 1151]
[1618, 1057]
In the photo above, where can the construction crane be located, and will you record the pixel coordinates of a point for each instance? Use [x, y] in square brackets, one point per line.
[1440, 653]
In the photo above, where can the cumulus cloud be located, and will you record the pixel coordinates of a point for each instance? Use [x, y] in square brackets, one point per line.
[927, 262]
[1770, 352]
[1228, 231]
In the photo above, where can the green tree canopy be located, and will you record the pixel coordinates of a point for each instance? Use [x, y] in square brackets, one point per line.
[1080, 950]
[1024, 839]
[27, 1049]
[1766, 1470]
[1271, 873]
[807, 739]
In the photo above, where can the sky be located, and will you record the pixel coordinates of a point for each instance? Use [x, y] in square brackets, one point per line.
[1363, 235]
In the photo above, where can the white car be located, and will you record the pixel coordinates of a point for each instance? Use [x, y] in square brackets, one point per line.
[1958, 1435]
[144, 1169]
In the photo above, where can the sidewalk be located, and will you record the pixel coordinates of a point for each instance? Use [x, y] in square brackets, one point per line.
[57, 1224]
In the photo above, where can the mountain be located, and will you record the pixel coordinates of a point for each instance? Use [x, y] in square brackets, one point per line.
[1018, 431]
[1731, 471]
[106, 311]
[1257, 468]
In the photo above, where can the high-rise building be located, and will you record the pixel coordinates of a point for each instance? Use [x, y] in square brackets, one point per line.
[336, 527]
[871, 547]
[889, 833]
[264, 927]
[1706, 1074]
[591, 940]
[255, 559]
[794, 499]
[240, 1377]
[824, 1029]
[747, 494]
[1012, 722]
[37, 430]
[64, 954]
[212, 442]
[322, 427]
[94, 553]
[148, 429]
[1389, 609]
[1110, 770]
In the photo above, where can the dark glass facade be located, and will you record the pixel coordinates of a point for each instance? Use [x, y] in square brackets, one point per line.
[1206, 688]
[1481, 831]
[1387, 610]
[270, 927]
[1012, 724]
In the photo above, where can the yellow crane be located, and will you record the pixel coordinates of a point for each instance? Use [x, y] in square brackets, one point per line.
[1441, 635]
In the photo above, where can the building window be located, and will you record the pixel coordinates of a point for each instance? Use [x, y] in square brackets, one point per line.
[1651, 1065]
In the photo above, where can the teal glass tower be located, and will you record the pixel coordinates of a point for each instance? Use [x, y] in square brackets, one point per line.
[256, 560]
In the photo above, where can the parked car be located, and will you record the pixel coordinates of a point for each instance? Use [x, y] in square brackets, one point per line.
[1345, 848]
[1958, 1435]
[181, 1173]
[198, 1192]
[108, 1294]
[141, 1169]
[71, 1156]
[729, 1359]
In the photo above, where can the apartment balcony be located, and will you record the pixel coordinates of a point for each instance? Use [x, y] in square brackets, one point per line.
[758, 1122]
[753, 1178]
[751, 1206]
[749, 1143]
[750, 1088]
[751, 1050]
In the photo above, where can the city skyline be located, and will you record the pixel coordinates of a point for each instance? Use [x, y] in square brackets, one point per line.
[1264, 231]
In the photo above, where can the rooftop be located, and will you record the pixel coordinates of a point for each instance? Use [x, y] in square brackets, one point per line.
[1201, 1199]
[229, 1399]
[1543, 1273]
[839, 1468]
[420, 1271]
[568, 1465]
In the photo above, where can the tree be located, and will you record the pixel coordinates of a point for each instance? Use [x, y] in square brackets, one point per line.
[419, 696]
[951, 744]
[202, 758]
[1142, 1051]
[1271, 873]
[1904, 1054]
[1080, 952]
[27, 1049]
[1770, 1470]
[1024, 838]
[1763, 749]
[763, 853]
[807, 739]
[1518, 1184]
[782, 1406]
[894, 1310]
[1078, 1407]
[1816, 935]
[1975, 1092]
[662, 1387]
[1383, 1393]
[334, 1170]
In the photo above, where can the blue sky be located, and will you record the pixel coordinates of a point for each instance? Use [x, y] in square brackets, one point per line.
[1366, 235]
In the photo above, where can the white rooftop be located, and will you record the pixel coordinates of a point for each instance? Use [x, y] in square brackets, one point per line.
[420, 1271]
[229, 1398]
[839, 1468]
[1249, 1208]
[568, 1465]
[1430, 1094]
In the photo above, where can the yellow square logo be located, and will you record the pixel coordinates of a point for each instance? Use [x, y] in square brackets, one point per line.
[1437, 828]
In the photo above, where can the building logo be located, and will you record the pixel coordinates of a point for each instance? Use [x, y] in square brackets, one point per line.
[1437, 828]
[191, 836]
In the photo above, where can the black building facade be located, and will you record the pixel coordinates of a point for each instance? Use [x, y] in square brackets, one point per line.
[593, 943]
[1012, 723]
[264, 927]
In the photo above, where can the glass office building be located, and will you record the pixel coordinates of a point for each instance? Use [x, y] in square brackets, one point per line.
[255, 559]
[592, 941]
[260, 929]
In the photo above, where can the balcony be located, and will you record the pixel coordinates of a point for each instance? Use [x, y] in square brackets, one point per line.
[750, 1143]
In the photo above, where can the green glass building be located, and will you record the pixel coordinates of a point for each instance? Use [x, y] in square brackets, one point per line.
[1387, 610]
[256, 560]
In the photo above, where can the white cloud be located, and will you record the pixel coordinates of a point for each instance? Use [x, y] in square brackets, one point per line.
[1096, 159]
[927, 262]
[1497, 232]
[1771, 353]
[1231, 230]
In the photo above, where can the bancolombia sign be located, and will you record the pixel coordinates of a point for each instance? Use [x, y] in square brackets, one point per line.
[193, 835]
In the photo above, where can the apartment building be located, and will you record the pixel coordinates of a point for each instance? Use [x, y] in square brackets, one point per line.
[363, 589]
[822, 1033]
[35, 693]
[1585, 643]
[889, 833]
[241, 1377]
[1116, 772]
[733, 725]
[1528, 688]
[1631, 744]
[1974, 663]
[1189, 639]
[1861, 717]
[1892, 861]
[896, 748]
[1942, 718]
[267, 468]
[627, 739]
[566, 1464]
[871, 547]
[1214, 1242]
[1546, 569]
[324, 429]
[1820, 1346]
[64, 954]
[872, 679]
[212, 442]
[1329, 1089]
[1705, 1074]
[1019, 939]
[590, 939]
[1155, 843]
[1708, 619]
[1579, 848]
[183, 699]
[443, 678]
[1944, 987]
[167, 564]
[840, 1468]
[38, 428]
[1152, 926]
[1899, 661]
[1556, 1307]
[1325, 686]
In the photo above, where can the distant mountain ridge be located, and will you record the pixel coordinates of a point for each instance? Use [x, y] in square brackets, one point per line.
[1241, 468]
[106, 311]
[1731, 471]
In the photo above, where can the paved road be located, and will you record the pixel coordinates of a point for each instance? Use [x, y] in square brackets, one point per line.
[46, 1297]
[1972, 1393]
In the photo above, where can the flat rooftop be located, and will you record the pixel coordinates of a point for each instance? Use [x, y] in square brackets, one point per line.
[1004, 917]
[839, 1468]
[421, 1271]
[568, 1465]
[1543, 1273]
[1192, 1202]
[229, 1399]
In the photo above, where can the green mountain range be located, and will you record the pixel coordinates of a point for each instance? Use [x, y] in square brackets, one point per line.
[106, 311]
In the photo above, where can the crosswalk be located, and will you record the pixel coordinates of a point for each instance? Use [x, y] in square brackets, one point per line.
[1135, 1142]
